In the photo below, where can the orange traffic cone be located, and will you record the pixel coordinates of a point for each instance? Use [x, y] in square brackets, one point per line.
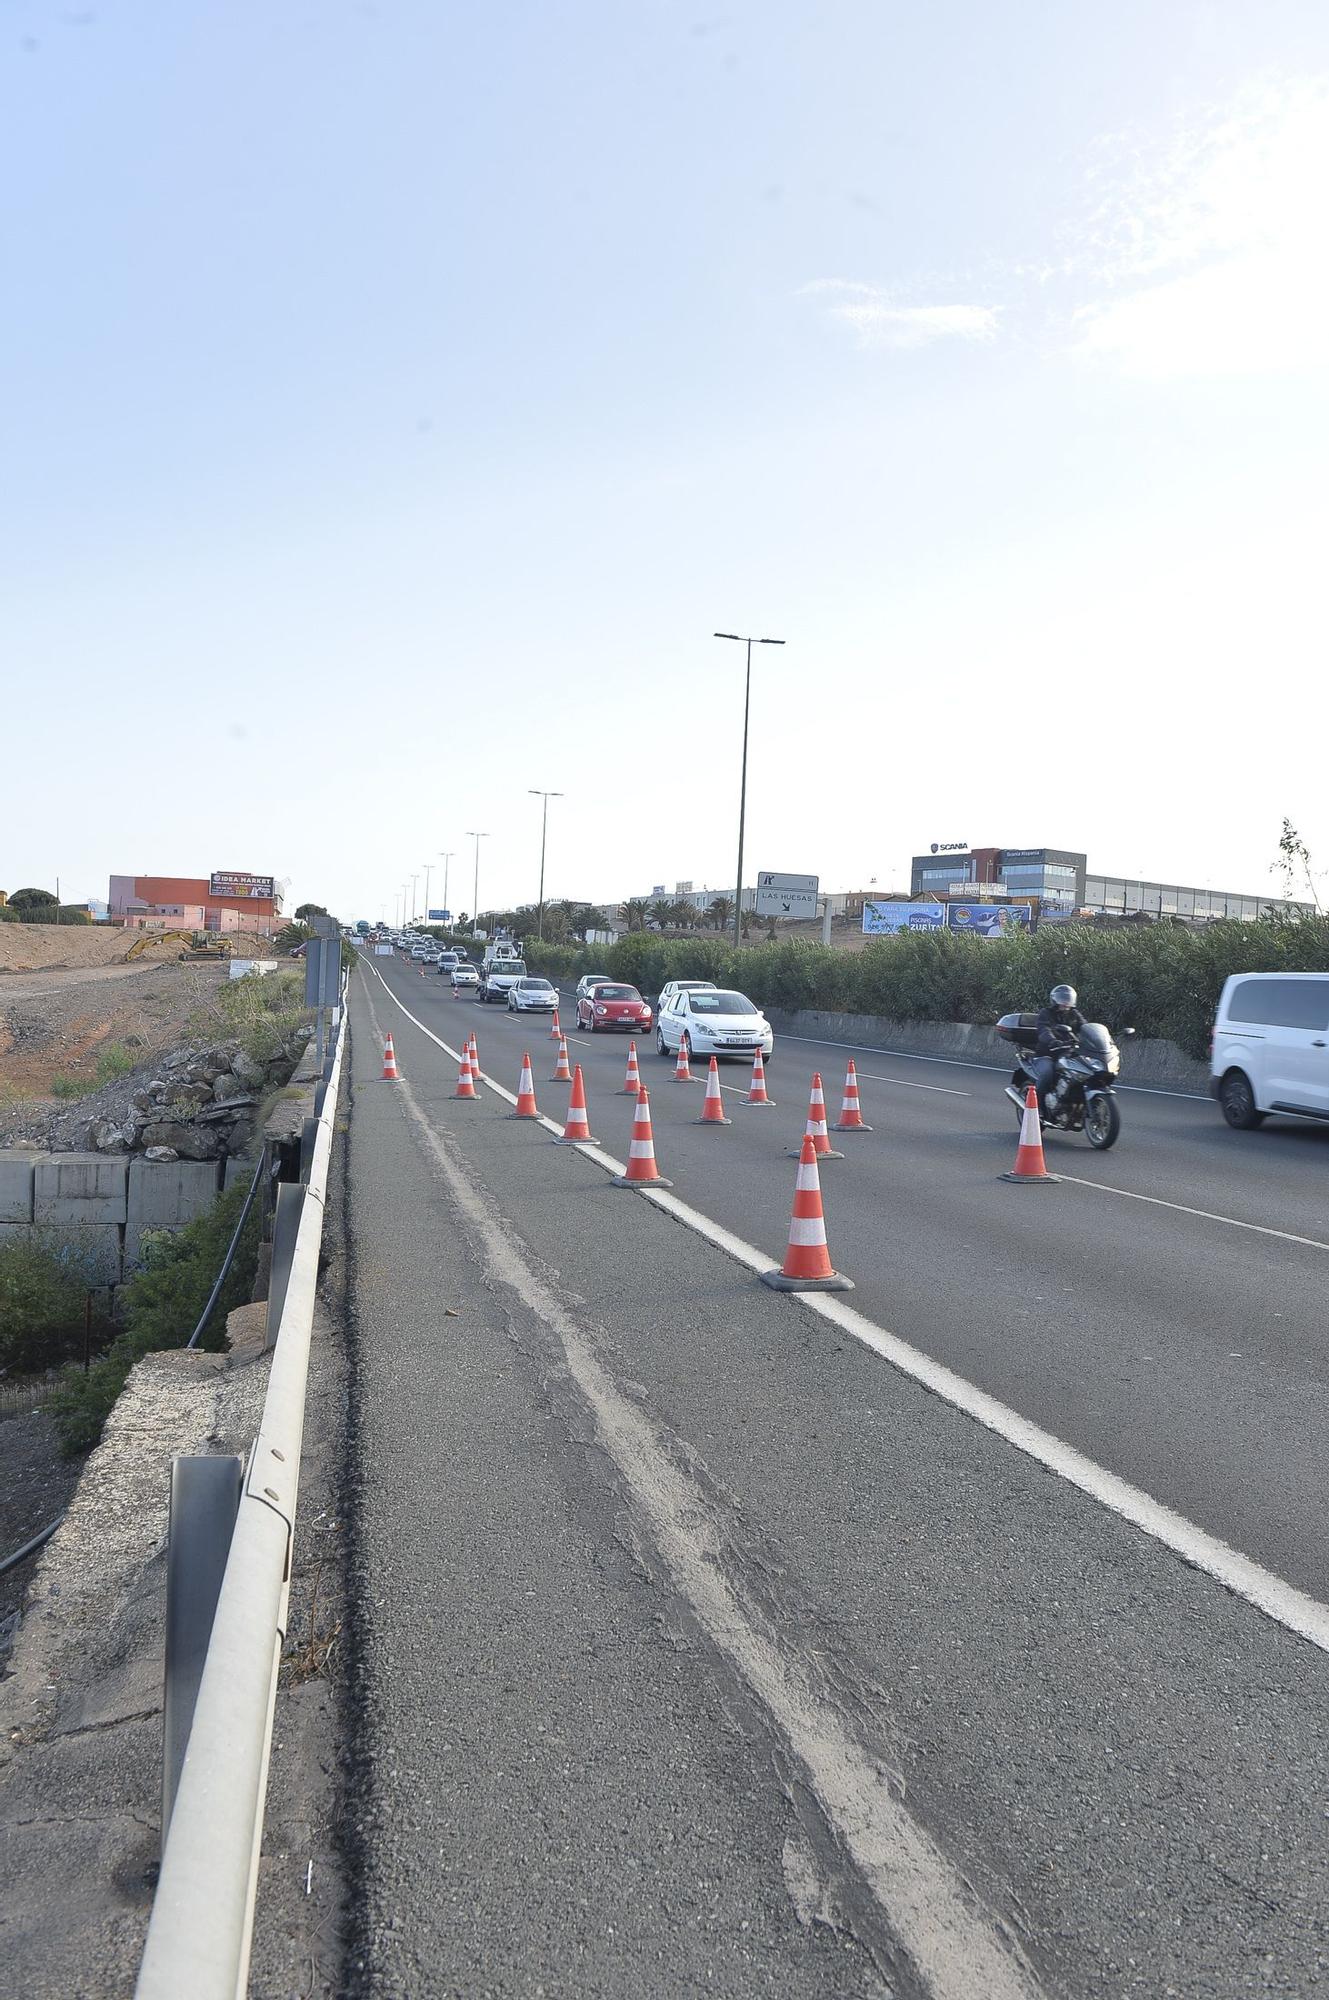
[815, 1129]
[807, 1263]
[757, 1088]
[526, 1105]
[632, 1081]
[555, 1032]
[682, 1068]
[390, 1070]
[474, 1047]
[851, 1115]
[712, 1110]
[642, 1170]
[562, 1074]
[465, 1076]
[1029, 1167]
[577, 1131]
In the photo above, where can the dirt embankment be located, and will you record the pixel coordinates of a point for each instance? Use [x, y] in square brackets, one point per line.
[61, 947]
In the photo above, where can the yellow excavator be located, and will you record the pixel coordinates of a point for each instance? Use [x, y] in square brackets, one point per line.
[191, 945]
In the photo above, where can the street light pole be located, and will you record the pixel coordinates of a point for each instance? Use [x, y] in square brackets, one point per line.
[544, 825]
[427, 866]
[743, 640]
[446, 858]
[475, 890]
[414, 880]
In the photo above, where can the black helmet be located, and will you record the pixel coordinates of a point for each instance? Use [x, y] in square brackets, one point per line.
[1062, 996]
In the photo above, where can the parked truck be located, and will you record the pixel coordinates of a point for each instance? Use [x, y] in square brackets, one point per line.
[498, 975]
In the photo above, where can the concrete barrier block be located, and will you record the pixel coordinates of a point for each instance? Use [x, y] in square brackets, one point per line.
[166, 1194]
[78, 1187]
[92, 1251]
[16, 1185]
[234, 1170]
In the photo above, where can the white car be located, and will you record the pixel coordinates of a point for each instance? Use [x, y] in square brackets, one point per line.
[670, 991]
[532, 996]
[1271, 1047]
[591, 979]
[464, 975]
[713, 1022]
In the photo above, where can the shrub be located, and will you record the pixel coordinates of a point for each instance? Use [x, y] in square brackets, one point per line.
[41, 1302]
[162, 1306]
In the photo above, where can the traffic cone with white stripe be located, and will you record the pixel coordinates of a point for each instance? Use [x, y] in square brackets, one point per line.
[474, 1047]
[851, 1114]
[757, 1088]
[526, 1105]
[577, 1131]
[683, 1068]
[815, 1128]
[465, 1075]
[632, 1081]
[642, 1170]
[562, 1074]
[807, 1263]
[1029, 1167]
[555, 1032]
[712, 1110]
[391, 1073]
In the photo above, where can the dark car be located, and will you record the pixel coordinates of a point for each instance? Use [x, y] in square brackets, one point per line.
[611, 1006]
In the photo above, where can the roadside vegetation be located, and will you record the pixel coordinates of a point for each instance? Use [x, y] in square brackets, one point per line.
[41, 1308]
[1160, 979]
[261, 1013]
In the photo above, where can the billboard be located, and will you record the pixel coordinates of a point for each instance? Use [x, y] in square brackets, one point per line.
[889, 919]
[786, 895]
[990, 920]
[223, 882]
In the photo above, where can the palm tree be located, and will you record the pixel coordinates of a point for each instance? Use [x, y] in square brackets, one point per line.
[661, 913]
[684, 913]
[721, 911]
[633, 913]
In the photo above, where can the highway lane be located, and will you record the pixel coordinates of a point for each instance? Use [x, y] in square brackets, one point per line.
[1128, 1764]
[1186, 1355]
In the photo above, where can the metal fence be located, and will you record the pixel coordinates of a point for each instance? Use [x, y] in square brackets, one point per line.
[199, 1935]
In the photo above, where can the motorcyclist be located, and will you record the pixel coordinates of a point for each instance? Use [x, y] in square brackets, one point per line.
[1059, 1025]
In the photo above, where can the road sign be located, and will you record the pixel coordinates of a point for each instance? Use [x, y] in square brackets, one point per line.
[786, 895]
[440, 916]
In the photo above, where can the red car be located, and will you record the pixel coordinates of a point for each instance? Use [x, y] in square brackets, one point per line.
[610, 1006]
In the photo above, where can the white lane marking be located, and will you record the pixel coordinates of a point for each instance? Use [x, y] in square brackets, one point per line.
[957, 1945]
[1204, 1214]
[1278, 1599]
[942, 1089]
[960, 1062]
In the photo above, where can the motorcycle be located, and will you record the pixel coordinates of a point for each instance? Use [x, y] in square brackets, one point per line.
[1083, 1098]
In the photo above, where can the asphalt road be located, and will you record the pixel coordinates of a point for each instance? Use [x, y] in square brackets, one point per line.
[702, 1650]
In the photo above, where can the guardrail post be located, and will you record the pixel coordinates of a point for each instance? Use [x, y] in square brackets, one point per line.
[308, 1135]
[285, 1229]
[205, 1499]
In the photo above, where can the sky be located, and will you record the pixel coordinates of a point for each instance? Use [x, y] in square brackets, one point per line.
[399, 395]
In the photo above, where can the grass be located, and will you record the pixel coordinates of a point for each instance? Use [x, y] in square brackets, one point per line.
[115, 1060]
[260, 1013]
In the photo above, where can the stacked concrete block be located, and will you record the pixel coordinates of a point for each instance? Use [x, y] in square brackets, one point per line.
[91, 1211]
[165, 1194]
[16, 1187]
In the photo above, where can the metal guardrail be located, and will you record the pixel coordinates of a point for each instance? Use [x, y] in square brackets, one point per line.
[199, 1935]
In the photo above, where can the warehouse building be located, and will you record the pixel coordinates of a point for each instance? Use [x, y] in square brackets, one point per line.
[1065, 886]
[222, 901]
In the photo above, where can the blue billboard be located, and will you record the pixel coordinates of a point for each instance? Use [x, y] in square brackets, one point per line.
[889, 919]
[991, 920]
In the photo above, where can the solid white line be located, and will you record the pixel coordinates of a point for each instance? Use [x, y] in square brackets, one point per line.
[1282, 1601]
[1204, 1214]
[959, 1062]
[903, 1083]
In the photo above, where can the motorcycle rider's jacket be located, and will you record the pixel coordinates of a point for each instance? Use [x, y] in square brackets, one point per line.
[1058, 1029]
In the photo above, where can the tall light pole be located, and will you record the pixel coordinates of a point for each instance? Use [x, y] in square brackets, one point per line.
[414, 880]
[743, 640]
[428, 867]
[475, 890]
[445, 859]
[544, 827]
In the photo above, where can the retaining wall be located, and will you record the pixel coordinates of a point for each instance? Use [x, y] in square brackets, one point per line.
[92, 1209]
[1153, 1065]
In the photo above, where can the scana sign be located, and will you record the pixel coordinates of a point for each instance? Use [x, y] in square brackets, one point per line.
[950, 847]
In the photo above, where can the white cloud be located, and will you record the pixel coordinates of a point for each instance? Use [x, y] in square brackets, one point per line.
[869, 312]
[1209, 254]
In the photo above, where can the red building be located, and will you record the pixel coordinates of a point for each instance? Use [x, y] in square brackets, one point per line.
[222, 901]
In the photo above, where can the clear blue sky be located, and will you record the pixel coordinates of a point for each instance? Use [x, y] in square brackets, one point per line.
[398, 395]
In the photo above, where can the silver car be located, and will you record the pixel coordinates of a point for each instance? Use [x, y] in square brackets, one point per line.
[532, 996]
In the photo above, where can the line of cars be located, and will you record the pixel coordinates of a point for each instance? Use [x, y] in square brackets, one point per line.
[709, 1020]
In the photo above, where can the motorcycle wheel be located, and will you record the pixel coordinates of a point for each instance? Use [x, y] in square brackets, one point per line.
[1102, 1122]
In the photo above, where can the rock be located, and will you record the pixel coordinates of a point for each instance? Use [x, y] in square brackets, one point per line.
[250, 1073]
[161, 1153]
[191, 1142]
[140, 1101]
[239, 1139]
[105, 1136]
[192, 1093]
[234, 1107]
[227, 1086]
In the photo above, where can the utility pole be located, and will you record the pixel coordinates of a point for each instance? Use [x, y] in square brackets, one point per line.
[544, 827]
[475, 891]
[743, 781]
[446, 858]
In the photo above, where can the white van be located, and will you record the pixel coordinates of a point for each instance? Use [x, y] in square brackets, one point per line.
[1271, 1047]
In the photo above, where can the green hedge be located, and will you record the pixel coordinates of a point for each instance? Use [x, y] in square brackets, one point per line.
[1160, 979]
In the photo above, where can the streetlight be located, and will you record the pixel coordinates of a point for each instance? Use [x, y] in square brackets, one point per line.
[475, 892]
[743, 640]
[445, 858]
[427, 866]
[544, 823]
